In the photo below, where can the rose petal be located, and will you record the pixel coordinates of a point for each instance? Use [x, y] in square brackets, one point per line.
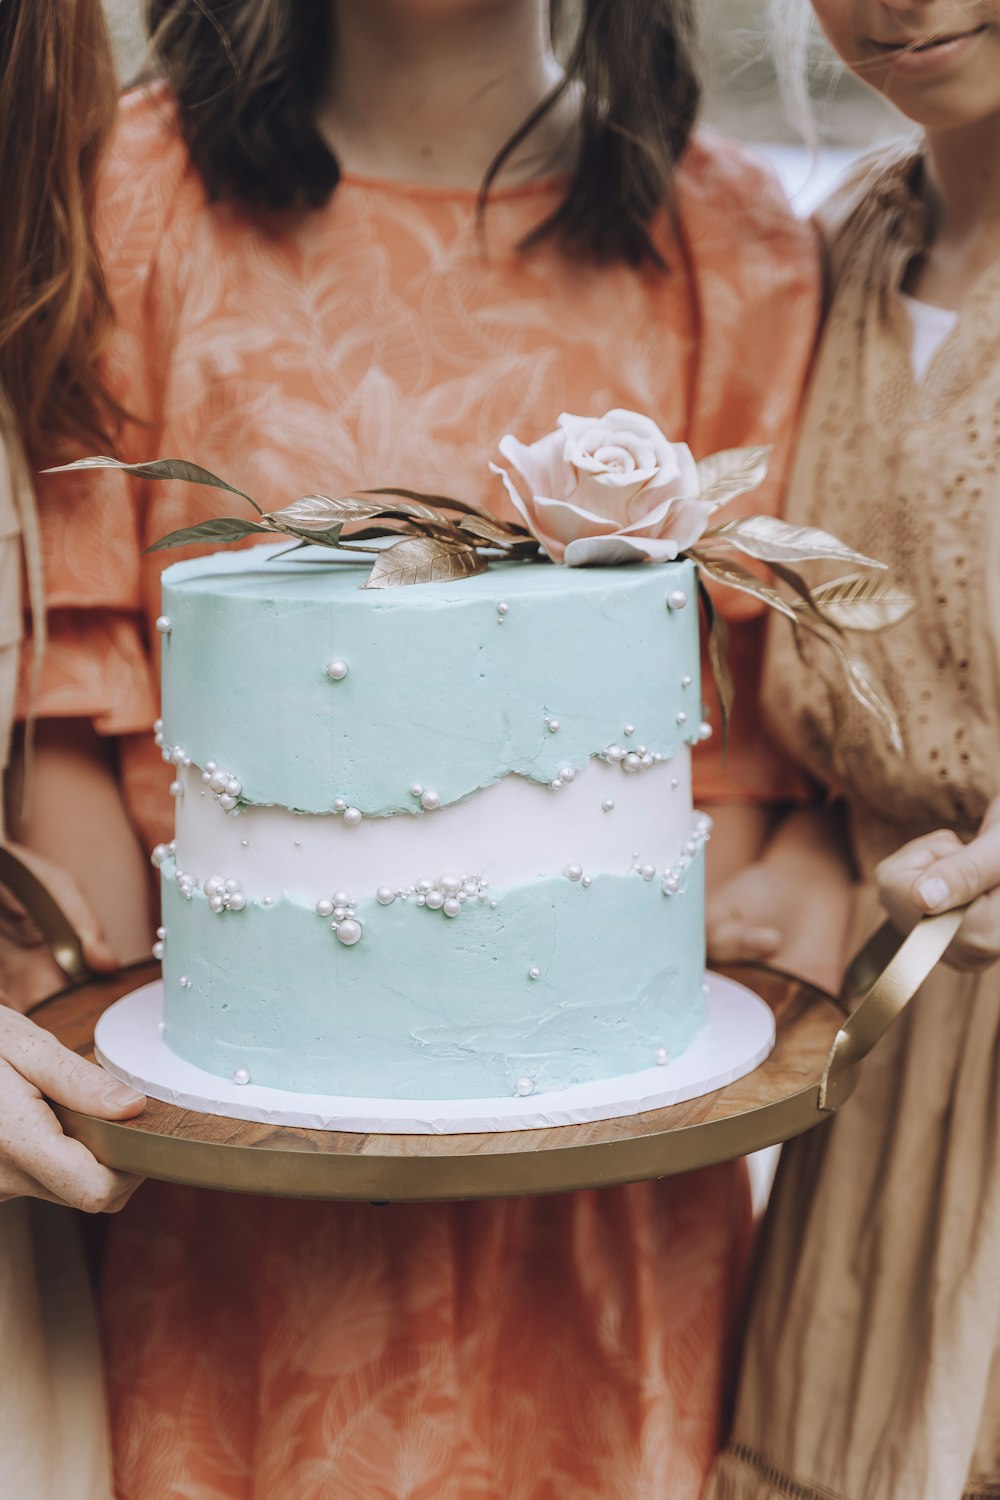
[688, 469]
[603, 552]
[529, 516]
[663, 502]
[656, 519]
[588, 467]
[573, 428]
[621, 420]
[521, 500]
[613, 551]
[685, 523]
[541, 465]
[566, 522]
[609, 498]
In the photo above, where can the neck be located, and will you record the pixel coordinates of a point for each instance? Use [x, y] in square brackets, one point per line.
[963, 178]
[430, 93]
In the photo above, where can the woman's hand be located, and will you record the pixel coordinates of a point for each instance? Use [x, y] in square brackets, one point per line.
[28, 972]
[36, 1159]
[938, 873]
[791, 907]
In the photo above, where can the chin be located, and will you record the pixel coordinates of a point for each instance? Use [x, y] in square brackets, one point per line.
[955, 106]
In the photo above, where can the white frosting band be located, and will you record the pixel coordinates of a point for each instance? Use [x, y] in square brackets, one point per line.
[511, 832]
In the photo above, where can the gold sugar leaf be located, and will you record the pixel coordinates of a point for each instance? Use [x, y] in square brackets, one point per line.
[311, 513]
[864, 690]
[219, 532]
[773, 541]
[429, 501]
[492, 531]
[733, 472]
[805, 600]
[735, 576]
[423, 559]
[322, 511]
[718, 660]
[160, 468]
[857, 602]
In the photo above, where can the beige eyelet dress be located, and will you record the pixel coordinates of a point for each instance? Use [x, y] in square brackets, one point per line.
[53, 1425]
[871, 1369]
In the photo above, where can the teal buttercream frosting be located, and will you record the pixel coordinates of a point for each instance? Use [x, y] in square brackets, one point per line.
[428, 1007]
[444, 688]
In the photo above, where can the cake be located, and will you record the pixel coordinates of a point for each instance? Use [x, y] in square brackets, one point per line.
[433, 842]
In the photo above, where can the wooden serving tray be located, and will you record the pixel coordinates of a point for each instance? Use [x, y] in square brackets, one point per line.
[778, 1100]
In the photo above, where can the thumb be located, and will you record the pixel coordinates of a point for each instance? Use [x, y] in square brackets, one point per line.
[63, 1076]
[61, 885]
[97, 951]
[958, 878]
[732, 942]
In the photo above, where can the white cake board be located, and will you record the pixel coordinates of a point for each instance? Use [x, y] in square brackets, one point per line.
[738, 1035]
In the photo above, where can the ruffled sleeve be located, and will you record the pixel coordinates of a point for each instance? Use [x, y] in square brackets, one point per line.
[97, 664]
[757, 280]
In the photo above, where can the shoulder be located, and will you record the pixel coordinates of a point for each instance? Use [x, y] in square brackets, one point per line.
[724, 186]
[738, 231]
[879, 178]
[876, 202]
[147, 189]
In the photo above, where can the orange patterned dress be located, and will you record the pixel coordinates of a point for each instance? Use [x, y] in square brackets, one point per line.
[534, 1349]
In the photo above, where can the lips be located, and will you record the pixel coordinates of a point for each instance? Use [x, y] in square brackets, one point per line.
[929, 44]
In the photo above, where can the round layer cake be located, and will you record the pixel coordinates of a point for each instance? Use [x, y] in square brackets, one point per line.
[433, 842]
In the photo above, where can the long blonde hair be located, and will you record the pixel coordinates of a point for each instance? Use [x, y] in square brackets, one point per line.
[790, 29]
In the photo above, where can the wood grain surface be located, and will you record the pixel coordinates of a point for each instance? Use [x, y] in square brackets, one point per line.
[777, 1100]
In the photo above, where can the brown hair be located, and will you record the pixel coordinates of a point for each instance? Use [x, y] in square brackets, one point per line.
[58, 96]
[247, 75]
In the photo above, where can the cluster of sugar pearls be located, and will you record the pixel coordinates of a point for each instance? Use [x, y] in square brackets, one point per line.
[174, 755]
[632, 761]
[225, 893]
[447, 894]
[343, 909]
[224, 786]
[701, 832]
[163, 852]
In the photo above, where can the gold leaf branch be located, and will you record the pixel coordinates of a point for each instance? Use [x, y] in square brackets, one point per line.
[859, 603]
[735, 471]
[436, 538]
[718, 658]
[431, 537]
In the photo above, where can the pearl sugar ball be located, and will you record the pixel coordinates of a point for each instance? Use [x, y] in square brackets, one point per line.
[349, 932]
[224, 894]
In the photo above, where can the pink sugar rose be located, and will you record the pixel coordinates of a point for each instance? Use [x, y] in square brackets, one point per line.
[603, 491]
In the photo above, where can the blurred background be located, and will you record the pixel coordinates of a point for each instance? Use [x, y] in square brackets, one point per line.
[742, 97]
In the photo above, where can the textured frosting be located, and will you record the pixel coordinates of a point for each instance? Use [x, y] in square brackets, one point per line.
[334, 740]
[442, 689]
[431, 1008]
[508, 832]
